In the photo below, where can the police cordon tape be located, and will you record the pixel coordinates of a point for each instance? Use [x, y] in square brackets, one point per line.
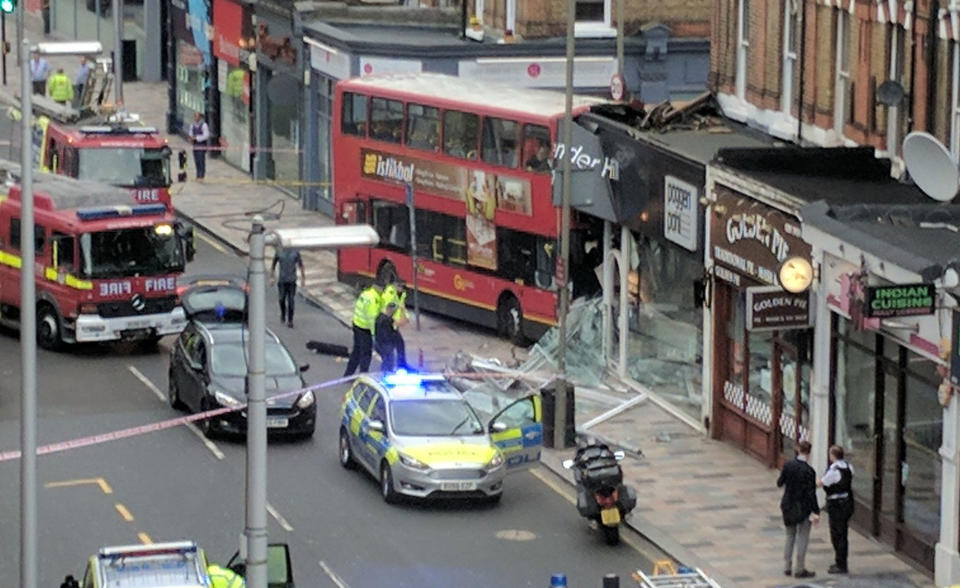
[169, 424]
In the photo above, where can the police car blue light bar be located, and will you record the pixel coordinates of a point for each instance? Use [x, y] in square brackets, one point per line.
[101, 212]
[402, 377]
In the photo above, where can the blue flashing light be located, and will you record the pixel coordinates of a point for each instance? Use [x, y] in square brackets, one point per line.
[402, 378]
[102, 212]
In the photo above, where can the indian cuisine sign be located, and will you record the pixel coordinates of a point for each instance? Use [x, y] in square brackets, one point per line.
[483, 193]
[899, 300]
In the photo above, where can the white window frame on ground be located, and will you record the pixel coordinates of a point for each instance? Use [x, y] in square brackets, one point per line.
[511, 23]
[596, 28]
[478, 8]
[955, 102]
[743, 45]
[791, 31]
[842, 74]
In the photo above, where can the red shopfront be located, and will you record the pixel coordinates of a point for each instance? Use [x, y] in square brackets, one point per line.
[762, 340]
[233, 43]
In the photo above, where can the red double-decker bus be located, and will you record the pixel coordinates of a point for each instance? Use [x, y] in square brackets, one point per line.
[477, 156]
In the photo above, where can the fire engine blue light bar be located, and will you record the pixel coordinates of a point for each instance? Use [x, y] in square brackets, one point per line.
[101, 212]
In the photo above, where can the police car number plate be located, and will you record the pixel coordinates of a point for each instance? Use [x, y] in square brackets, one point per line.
[458, 486]
[276, 422]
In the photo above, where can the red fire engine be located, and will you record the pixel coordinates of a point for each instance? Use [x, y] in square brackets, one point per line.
[106, 266]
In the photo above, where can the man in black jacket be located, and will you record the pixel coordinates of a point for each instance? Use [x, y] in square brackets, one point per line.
[799, 507]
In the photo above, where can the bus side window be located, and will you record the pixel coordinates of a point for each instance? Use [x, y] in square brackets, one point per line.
[516, 256]
[441, 237]
[392, 223]
[354, 116]
[500, 139]
[63, 251]
[461, 134]
[536, 148]
[423, 127]
[386, 120]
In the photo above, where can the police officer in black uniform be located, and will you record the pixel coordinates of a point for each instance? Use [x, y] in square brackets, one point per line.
[837, 482]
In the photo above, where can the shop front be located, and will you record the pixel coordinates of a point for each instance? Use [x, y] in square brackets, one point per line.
[232, 44]
[762, 340]
[278, 92]
[191, 90]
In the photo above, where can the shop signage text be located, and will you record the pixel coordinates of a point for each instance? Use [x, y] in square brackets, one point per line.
[751, 238]
[680, 212]
[581, 161]
[899, 300]
[771, 307]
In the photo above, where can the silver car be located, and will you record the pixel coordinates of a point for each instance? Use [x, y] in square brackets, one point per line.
[419, 437]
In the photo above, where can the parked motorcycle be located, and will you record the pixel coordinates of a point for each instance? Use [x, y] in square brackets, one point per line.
[601, 494]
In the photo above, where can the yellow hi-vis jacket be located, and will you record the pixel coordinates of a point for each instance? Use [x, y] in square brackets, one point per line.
[367, 308]
[224, 578]
[390, 295]
[60, 88]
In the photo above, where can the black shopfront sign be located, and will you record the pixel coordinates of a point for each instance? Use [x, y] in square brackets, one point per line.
[899, 300]
[773, 308]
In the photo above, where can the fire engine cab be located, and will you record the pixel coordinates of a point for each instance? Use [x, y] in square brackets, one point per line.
[106, 266]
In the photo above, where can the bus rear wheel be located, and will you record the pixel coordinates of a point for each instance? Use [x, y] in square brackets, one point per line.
[510, 320]
[48, 328]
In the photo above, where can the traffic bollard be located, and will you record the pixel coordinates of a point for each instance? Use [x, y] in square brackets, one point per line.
[611, 581]
[558, 581]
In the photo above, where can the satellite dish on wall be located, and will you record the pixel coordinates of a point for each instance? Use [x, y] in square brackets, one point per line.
[890, 93]
[931, 166]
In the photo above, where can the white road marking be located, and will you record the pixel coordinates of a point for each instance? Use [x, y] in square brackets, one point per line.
[333, 577]
[210, 445]
[211, 242]
[283, 522]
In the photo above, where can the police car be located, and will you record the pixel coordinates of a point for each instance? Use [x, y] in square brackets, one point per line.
[419, 437]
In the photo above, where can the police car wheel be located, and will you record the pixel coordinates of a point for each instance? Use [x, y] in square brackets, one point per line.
[173, 394]
[390, 495]
[346, 455]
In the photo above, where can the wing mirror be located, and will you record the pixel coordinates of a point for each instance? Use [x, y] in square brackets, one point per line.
[619, 455]
[567, 464]
[377, 425]
[497, 427]
[304, 367]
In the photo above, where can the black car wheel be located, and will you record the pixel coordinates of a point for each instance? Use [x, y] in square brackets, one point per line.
[206, 426]
[48, 328]
[173, 394]
[346, 455]
[390, 495]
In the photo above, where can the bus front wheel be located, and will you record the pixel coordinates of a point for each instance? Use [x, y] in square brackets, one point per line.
[510, 320]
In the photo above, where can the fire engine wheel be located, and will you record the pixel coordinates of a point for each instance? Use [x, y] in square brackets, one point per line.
[48, 328]
[387, 273]
[510, 319]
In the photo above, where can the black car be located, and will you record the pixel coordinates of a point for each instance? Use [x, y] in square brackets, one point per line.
[208, 365]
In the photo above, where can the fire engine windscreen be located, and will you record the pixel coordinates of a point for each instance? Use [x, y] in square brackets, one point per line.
[126, 166]
[128, 252]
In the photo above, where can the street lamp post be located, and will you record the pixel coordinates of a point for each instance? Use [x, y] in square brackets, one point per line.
[28, 308]
[255, 530]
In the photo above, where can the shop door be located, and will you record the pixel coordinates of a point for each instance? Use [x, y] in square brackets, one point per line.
[792, 391]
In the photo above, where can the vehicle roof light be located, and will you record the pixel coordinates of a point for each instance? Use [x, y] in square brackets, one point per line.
[402, 378]
[163, 230]
[118, 129]
[101, 212]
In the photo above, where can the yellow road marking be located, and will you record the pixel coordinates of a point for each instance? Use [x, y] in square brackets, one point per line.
[144, 538]
[565, 491]
[104, 486]
[123, 512]
[212, 242]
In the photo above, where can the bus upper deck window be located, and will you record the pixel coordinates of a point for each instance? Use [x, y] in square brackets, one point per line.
[423, 127]
[354, 119]
[386, 120]
[500, 141]
[460, 134]
[536, 148]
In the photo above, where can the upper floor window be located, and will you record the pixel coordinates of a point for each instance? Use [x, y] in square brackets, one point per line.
[791, 50]
[841, 109]
[593, 18]
[955, 100]
[353, 120]
[743, 44]
[386, 120]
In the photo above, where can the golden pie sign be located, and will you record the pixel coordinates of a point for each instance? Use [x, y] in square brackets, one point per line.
[796, 274]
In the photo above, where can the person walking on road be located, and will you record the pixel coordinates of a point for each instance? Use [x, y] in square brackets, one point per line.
[837, 482]
[385, 337]
[80, 80]
[39, 70]
[288, 260]
[200, 136]
[365, 312]
[221, 577]
[60, 88]
[799, 508]
[394, 292]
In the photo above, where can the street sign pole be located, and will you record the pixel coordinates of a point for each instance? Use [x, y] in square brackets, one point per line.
[117, 53]
[413, 252]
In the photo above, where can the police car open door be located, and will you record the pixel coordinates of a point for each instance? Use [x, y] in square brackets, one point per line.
[518, 431]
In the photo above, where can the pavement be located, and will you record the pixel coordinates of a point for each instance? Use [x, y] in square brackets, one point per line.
[705, 502]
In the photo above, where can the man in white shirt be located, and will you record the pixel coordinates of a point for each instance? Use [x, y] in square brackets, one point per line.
[39, 70]
[200, 136]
